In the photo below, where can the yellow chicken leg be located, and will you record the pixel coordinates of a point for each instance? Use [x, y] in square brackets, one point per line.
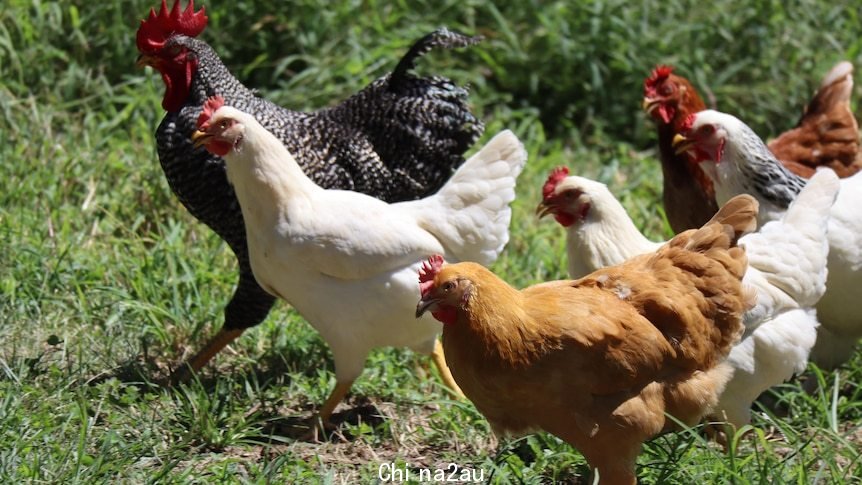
[320, 421]
[218, 342]
[440, 361]
[335, 397]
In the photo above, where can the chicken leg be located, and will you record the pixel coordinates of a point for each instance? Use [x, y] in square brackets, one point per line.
[320, 420]
[335, 397]
[445, 374]
[200, 359]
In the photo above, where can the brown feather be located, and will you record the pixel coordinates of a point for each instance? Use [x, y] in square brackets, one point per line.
[827, 135]
[688, 195]
[601, 361]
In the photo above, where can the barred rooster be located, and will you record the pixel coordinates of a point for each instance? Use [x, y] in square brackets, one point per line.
[400, 138]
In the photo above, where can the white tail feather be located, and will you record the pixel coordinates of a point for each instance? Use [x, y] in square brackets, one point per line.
[814, 202]
[841, 70]
[470, 215]
[792, 252]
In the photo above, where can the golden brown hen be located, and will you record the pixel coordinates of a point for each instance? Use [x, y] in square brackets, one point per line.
[601, 361]
[826, 135]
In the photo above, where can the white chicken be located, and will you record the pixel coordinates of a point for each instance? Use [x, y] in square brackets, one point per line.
[786, 266]
[347, 261]
[738, 162]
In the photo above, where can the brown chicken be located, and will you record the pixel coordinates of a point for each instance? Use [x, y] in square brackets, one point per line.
[826, 135]
[603, 360]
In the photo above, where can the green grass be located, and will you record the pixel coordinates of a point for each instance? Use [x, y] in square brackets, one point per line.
[106, 282]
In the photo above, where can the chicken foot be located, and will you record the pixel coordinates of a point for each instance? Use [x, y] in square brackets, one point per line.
[320, 421]
[200, 359]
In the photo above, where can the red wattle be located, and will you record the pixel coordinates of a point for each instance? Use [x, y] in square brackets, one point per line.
[178, 84]
[446, 314]
[564, 218]
[218, 147]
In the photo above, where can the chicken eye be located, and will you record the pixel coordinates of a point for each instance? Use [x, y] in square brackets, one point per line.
[448, 286]
[174, 50]
[223, 125]
[665, 90]
[707, 130]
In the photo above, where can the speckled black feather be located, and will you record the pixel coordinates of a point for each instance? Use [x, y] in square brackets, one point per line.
[398, 139]
[769, 177]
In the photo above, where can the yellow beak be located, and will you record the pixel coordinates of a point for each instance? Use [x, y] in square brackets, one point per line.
[424, 305]
[543, 209]
[145, 60]
[200, 138]
[681, 144]
[649, 105]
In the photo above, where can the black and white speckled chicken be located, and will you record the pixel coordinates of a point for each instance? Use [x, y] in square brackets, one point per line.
[400, 138]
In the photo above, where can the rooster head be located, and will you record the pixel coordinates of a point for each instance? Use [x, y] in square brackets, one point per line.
[703, 136]
[159, 27]
[667, 96]
[564, 197]
[159, 46]
[658, 94]
[219, 129]
[444, 291]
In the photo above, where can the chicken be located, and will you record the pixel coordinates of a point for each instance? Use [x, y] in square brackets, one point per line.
[687, 195]
[400, 138]
[600, 362]
[786, 267]
[826, 135]
[747, 166]
[347, 261]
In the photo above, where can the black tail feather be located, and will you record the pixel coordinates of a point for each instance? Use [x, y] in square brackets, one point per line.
[442, 37]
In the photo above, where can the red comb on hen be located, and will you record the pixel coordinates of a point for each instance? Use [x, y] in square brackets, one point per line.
[557, 176]
[428, 271]
[212, 104]
[157, 28]
[688, 123]
[656, 77]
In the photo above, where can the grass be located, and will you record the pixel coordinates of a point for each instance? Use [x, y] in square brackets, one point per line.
[107, 282]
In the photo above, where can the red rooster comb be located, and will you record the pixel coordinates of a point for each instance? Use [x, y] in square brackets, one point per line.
[428, 271]
[688, 123]
[210, 107]
[656, 77]
[557, 176]
[157, 28]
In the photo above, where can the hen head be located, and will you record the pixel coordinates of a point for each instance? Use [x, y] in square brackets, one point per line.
[219, 128]
[160, 40]
[668, 97]
[703, 135]
[567, 198]
[445, 290]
